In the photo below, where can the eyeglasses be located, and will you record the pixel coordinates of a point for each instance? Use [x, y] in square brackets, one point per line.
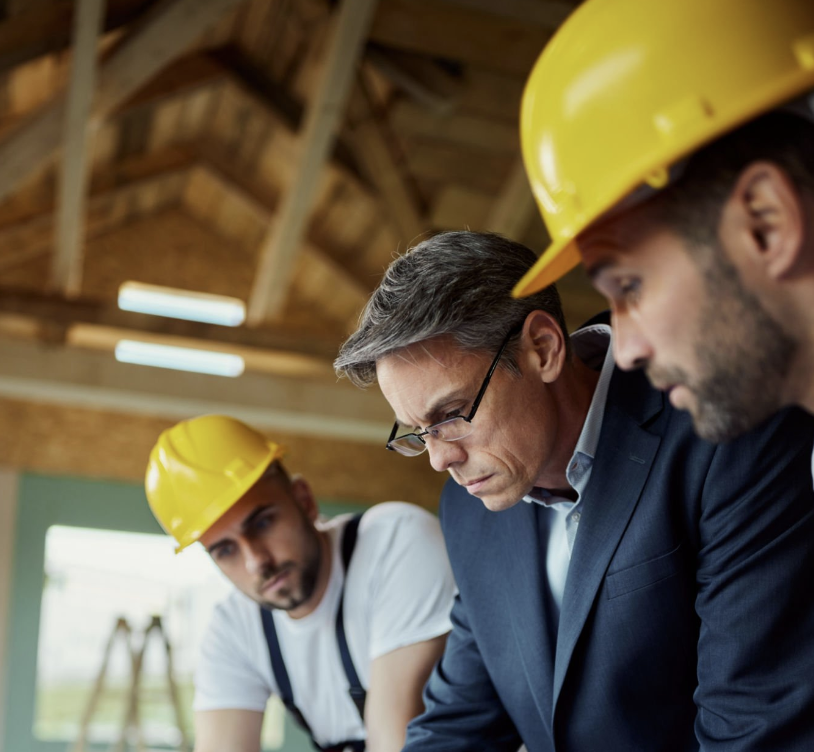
[451, 429]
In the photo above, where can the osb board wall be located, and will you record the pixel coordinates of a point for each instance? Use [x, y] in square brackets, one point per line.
[71, 441]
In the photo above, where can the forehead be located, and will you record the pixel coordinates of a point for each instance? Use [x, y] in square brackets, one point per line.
[267, 491]
[625, 238]
[421, 377]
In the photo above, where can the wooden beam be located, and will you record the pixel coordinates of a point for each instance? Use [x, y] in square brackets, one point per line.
[440, 29]
[164, 36]
[256, 359]
[545, 13]
[46, 28]
[287, 109]
[413, 121]
[49, 317]
[66, 376]
[211, 190]
[168, 31]
[375, 152]
[123, 172]
[428, 82]
[33, 237]
[66, 267]
[280, 247]
[202, 180]
[514, 206]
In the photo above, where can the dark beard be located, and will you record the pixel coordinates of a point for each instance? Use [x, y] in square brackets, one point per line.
[744, 357]
[304, 577]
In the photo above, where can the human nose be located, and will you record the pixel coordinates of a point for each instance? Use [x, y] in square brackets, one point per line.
[444, 454]
[256, 556]
[631, 350]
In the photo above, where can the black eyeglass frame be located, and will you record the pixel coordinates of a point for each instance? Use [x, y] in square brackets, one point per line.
[467, 419]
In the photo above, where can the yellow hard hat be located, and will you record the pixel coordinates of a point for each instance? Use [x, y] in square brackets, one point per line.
[199, 469]
[627, 88]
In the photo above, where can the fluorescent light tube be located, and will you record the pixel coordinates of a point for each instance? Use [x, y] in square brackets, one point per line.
[179, 358]
[181, 304]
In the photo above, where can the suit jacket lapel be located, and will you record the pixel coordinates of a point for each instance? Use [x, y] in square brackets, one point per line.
[524, 561]
[625, 454]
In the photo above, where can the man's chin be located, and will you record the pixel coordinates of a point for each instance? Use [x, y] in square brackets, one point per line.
[498, 502]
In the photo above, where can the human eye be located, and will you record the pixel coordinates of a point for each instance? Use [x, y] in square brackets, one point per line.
[263, 522]
[628, 290]
[223, 552]
[437, 429]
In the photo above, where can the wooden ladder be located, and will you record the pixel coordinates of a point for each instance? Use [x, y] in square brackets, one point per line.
[131, 732]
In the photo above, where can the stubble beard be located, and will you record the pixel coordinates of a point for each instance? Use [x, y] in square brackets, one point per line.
[303, 578]
[743, 358]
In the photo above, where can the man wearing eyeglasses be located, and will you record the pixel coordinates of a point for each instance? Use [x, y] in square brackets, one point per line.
[640, 589]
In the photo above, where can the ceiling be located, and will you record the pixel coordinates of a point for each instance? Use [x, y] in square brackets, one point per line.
[278, 151]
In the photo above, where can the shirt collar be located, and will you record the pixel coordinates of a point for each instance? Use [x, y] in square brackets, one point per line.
[592, 345]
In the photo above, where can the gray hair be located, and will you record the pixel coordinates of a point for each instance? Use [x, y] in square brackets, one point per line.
[455, 284]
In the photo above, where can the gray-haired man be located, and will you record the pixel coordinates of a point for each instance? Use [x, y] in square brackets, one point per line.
[652, 592]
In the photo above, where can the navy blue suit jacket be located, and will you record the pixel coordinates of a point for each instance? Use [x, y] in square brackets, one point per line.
[687, 620]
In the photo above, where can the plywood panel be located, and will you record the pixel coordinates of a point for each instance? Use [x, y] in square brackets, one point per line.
[445, 163]
[441, 29]
[461, 208]
[165, 124]
[32, 84]
[170, 248]
[95, 444]
[493, 95]
[411, 120]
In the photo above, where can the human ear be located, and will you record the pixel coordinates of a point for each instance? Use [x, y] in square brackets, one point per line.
[304, 496]
[765, 218]
[545, 345]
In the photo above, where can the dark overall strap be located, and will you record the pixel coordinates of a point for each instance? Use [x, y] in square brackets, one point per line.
[355, 690]
[280, 672]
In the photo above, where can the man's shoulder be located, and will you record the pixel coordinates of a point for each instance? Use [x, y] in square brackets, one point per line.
[392, 512]
[388, 519]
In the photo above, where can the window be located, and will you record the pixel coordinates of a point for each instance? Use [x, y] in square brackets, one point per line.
[94, 577]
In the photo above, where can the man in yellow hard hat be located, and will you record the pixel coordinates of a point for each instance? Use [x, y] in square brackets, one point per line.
[624, 586]
[342, 619]
[670, 148]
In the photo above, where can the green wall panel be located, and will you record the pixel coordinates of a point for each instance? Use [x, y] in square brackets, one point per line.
[43, 502]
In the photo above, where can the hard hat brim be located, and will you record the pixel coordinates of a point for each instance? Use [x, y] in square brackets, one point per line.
[556, 261]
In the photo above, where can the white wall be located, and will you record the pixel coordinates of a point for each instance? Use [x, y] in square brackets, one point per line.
[8, 514]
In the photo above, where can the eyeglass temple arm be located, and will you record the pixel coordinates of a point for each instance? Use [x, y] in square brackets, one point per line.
[492, 368]
[392, 436]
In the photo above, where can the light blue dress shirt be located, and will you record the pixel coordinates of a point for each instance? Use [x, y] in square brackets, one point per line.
[593, 345]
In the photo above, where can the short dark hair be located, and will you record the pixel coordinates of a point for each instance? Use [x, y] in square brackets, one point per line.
[455, 284]
[276, 470]
[692, 207]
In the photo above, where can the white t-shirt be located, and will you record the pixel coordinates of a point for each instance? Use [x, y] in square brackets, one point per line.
[399, 592]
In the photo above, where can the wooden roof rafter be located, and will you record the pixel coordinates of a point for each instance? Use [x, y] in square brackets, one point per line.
[163, 36]
[281, 245]
[66, 267]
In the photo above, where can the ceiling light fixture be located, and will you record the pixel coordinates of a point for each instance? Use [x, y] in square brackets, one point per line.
[181, 304]
[179, 358]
